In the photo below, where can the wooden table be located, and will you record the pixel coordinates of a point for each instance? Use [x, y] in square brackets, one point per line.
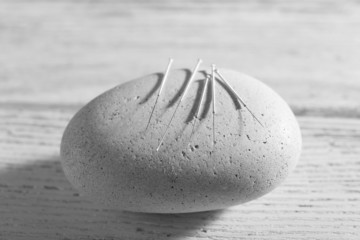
[56, 56]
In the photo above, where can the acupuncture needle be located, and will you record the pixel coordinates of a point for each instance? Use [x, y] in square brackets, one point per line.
[161, 88]
[196, 116]
[181, 99]
[213, 99]
[237, 95]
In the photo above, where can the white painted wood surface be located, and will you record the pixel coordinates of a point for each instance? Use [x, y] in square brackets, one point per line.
[56, 56]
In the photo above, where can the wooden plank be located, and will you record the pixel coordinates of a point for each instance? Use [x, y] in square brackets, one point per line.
[70, 51]
[319, 200]
[56, 56]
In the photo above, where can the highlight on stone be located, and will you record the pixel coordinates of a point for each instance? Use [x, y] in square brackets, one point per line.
[156, 144]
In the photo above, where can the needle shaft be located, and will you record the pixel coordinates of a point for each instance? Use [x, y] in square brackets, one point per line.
[196, 116]
[161, 88]
[237, 95]
[181, 99]
[213, 99]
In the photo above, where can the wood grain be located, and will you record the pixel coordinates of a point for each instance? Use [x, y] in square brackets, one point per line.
[62, 51]
[320, 199]
[56, 56]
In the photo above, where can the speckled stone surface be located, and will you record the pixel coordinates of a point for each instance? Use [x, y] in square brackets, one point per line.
[108, 156]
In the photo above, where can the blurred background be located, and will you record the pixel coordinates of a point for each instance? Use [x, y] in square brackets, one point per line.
[71, 51]
[55, 56]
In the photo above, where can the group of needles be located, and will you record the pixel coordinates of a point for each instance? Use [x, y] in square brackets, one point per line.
[196, 116]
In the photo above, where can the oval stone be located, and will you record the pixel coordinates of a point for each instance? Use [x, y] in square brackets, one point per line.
[109, 155]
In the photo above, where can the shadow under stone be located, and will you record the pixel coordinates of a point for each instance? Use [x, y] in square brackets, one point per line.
[37, 200]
